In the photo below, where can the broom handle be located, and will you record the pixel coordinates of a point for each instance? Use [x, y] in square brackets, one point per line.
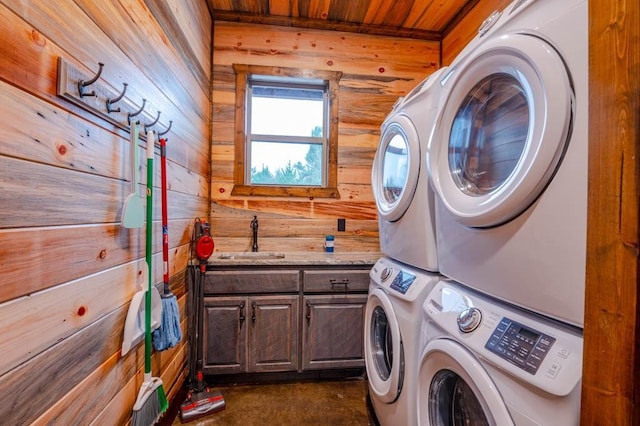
[165, 215]
[148, 254]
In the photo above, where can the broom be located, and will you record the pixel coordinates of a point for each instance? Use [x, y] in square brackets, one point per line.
[151, 401]
[169, 334]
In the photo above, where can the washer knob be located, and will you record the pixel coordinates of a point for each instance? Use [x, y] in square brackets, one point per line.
[469, 319]
[386, 273]
[489, 22]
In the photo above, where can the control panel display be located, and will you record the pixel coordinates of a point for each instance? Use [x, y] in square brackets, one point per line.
[520, 345]
[402, 282]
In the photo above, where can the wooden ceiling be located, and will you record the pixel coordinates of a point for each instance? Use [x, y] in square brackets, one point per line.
[422, 19]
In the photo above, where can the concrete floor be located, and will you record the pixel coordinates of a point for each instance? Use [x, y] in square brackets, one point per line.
[340, 402]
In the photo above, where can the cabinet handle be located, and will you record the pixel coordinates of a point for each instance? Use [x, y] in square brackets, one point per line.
[334, 283]
[242, 317]
[253, 312]
[308, 315]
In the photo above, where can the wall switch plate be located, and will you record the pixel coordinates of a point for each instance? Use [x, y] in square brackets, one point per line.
[342, 224]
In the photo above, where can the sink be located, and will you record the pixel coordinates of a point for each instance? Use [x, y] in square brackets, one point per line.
[251, 256]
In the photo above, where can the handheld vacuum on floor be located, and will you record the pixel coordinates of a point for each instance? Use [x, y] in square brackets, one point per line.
[200, 400]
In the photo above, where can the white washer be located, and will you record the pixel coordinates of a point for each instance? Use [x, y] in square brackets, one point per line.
[405, 200]
[488, 363]
[391, 341]
[508, 160]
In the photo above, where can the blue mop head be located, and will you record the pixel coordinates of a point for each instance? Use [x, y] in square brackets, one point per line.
[169, 333]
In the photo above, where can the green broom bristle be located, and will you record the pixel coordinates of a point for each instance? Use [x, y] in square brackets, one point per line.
[162, 400]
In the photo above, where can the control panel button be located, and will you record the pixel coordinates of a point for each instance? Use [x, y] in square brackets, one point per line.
[469, 319]
[563, 353]
[386, 273]
[489, 22]
[553, 370]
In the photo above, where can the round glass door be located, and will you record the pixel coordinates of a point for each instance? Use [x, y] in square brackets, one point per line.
[453, 403]
[489, 134]
[384, 359]
[396, 168]
[454, 389]
[382, 343]
[502, 131]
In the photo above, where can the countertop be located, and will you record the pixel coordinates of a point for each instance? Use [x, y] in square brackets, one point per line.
[292, 259]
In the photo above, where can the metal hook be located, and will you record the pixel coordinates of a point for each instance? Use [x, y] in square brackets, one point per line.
[117, 99]
[133, 114]
[149, 125]
[82, 84]
[168, 128]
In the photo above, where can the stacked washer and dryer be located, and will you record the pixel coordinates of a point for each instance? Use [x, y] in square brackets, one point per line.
[401, 281]
[499, 338]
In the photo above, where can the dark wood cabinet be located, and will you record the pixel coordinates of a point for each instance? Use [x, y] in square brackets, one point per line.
[225, 335]
[259, 320]
[334, 301]
[332, 334]
[250, 334]
[273, 333]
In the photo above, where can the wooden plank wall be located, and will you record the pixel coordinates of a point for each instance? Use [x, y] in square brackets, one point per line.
[457, 37]
[68, 268]
[376, 71]
[611, 368]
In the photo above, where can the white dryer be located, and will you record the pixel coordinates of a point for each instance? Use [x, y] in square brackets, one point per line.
[488, 363]
[508, 160]
[391, 339]
[405, 200]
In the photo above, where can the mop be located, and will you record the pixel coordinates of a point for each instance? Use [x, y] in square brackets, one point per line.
[152, 400]
[169, 334]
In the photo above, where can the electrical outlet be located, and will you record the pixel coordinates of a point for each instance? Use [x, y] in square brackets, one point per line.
[342, 224]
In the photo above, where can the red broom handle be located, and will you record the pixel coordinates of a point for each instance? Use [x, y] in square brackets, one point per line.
[165, 214]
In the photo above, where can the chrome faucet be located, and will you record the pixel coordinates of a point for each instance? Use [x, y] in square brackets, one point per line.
[254, 226]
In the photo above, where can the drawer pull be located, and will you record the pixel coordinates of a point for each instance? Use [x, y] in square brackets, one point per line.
[242, 317]
[337, 283]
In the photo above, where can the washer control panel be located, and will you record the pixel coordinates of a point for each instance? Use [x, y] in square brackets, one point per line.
[399, 280]
[535, 349]
[520, 345]
[402, 282]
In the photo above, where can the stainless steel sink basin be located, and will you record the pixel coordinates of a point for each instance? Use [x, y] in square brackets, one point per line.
[251, 256]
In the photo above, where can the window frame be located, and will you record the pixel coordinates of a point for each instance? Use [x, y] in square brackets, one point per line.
[329, 189]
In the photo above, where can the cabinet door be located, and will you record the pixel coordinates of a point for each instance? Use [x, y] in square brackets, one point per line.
[273, 334]
[225, 335]
[333, 331]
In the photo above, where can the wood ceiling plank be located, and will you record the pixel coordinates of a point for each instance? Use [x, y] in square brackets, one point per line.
[221, 4]
[282, 7]
[319, 9]
[434, 14]
[351, 11]
[326, 25]
[441, 18]
[418, 12]
[410, 18]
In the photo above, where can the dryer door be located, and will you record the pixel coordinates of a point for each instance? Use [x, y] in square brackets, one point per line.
[383, 348]
[454, 389]
[396, 167]
[502, 131]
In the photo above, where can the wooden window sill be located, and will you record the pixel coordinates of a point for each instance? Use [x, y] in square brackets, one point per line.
[285, 191]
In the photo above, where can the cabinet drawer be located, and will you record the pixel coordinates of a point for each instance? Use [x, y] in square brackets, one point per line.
[254, 281]
[339, 280]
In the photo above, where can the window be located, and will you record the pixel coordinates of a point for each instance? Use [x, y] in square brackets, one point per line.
[286, 132]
